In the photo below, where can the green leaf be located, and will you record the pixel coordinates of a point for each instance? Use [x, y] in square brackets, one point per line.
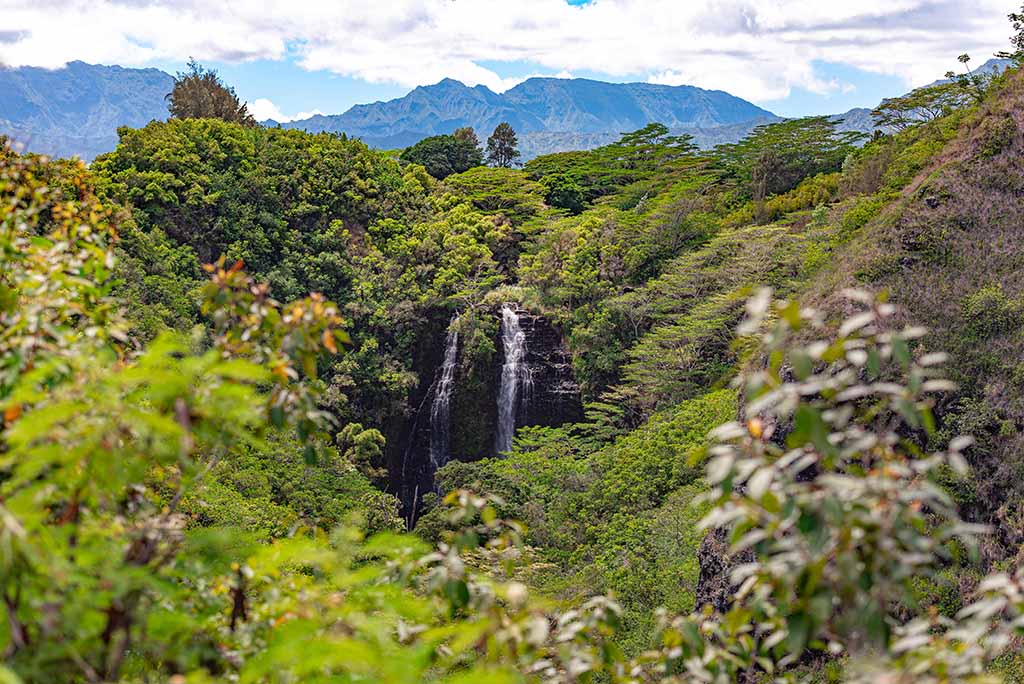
[484, 675]
[908, 411]
[798, 632]
[901, 351]
[802, 363]
[7, 676]
[277, 416]
[876, 625]
[242, 371]
[458, 593]
[809, 427]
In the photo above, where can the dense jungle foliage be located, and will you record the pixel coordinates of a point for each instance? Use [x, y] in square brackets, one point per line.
[209, 336]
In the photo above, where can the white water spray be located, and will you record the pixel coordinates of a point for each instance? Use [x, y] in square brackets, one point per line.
[516, 381]
[440, 409]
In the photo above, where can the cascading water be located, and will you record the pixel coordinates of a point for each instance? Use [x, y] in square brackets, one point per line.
[516, 381]
[440, 410]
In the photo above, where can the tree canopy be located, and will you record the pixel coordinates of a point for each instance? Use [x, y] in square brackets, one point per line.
[443, 155]
[110, 571]
[222, 346]
[466, 134]
[777, 156]
[918, 106]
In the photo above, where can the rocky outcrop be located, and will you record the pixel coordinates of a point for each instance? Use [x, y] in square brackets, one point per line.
[552, 399]
[714, 585]
[407, 454]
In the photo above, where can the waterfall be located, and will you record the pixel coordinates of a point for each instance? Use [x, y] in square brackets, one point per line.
[440, 410]
[516, 381]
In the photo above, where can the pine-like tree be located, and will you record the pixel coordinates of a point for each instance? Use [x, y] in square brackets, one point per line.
[502, 146]
[200, 94]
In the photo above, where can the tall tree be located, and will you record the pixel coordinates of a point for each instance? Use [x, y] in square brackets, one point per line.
[1017, 39]
[502, 146]
[974, 84]
[201, 94]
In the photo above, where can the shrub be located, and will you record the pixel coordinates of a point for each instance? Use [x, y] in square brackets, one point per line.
[988, 312]
[862, 211]
[996, 134]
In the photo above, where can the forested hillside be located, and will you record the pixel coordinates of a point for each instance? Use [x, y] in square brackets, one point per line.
[279, 407]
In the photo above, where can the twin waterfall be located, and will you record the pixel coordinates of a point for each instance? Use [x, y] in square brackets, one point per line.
[479, 395]
[513, 392]
[440, 410]
[516, 379]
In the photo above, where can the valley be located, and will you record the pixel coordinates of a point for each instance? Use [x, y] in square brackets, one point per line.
[647, 385]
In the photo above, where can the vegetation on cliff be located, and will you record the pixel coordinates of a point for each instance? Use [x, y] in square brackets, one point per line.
[197, 482]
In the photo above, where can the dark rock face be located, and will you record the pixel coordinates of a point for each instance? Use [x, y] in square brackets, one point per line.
[407, 451]
[554, 400]
[714, 584]
[475, 406]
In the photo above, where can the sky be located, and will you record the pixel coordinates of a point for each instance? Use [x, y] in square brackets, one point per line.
[292, 58]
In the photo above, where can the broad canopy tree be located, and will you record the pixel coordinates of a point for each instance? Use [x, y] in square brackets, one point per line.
[918, 106]
[575, 179]
[776, 157]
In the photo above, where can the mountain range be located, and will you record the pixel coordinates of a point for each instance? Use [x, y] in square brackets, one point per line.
[547, 113]
[76, 110]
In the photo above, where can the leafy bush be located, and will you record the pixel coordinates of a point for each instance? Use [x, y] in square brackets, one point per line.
[861, 211]
[101, 443]
[103, 580]
[997, 133]
[989, 312]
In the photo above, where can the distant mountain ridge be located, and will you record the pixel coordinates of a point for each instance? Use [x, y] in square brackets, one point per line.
[548, 113]
[76, 110]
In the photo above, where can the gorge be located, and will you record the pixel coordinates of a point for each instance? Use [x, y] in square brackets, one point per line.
[471, 408]
[646, 386]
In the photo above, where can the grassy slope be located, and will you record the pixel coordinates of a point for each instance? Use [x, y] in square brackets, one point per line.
[949, 251]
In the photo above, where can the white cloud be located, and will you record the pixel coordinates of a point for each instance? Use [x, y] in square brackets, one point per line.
[263, 109]
[500, 85]
[759, 49]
